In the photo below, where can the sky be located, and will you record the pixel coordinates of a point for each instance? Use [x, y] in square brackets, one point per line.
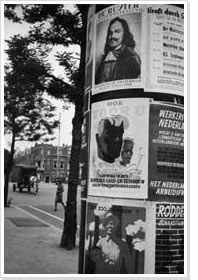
[11, 29]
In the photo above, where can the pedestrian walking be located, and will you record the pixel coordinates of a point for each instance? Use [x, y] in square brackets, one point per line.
[59, 194]
[34, 183]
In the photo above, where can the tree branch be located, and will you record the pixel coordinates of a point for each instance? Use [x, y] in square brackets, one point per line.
[71, 88]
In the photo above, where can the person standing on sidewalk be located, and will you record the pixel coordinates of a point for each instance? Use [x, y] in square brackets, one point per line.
[59, 194]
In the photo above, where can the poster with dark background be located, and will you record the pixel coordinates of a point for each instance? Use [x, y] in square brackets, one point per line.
[166, 153]
[115, 239]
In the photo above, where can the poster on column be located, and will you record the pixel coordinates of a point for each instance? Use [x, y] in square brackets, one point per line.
[115, 239]
[89, 48]
[164, 49]
[166, 153]
[169, 238]
[169, 215]
[119, 148]
[84, 154]
[118, 48]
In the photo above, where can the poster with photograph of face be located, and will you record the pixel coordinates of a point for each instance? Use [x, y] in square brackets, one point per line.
[119, 148]
[115, 239]
[118, 48]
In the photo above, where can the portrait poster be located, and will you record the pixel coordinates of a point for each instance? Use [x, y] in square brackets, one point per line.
[118, 48]
[119, 148]
[89, 48]
[115, 239]
[166, 153]
[164, 49]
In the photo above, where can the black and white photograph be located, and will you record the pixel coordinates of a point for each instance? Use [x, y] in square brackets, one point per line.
[94, 155]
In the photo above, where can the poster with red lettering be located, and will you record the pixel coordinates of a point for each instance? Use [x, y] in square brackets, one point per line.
[166, 153]
[119, 148]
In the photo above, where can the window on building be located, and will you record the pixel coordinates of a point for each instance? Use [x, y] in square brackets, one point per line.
[47, 164]
[48, 152]
[59, 151]
[55, 164]
[62, 164]
[38, 163]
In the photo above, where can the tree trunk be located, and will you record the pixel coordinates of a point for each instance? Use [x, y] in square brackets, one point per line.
[68, 239]
[8, 171]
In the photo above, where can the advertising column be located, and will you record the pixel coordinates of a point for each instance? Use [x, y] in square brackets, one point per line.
[134, 171]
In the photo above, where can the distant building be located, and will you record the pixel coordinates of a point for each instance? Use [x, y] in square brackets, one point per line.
[51, 161]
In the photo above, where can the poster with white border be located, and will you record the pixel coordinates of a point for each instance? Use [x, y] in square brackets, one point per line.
[164, 49]
[119, 148]
[154, 62]
[114, 25]
[115, 239]
[134, 230]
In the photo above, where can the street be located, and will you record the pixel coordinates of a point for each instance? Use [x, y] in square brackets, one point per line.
[32, 233]
[42, 204]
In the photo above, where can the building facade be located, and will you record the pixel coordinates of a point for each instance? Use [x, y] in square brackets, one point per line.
[51, 161]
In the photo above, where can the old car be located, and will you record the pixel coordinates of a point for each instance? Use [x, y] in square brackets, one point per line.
[20, 177]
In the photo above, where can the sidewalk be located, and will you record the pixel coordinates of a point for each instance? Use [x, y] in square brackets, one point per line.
[35, 249]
